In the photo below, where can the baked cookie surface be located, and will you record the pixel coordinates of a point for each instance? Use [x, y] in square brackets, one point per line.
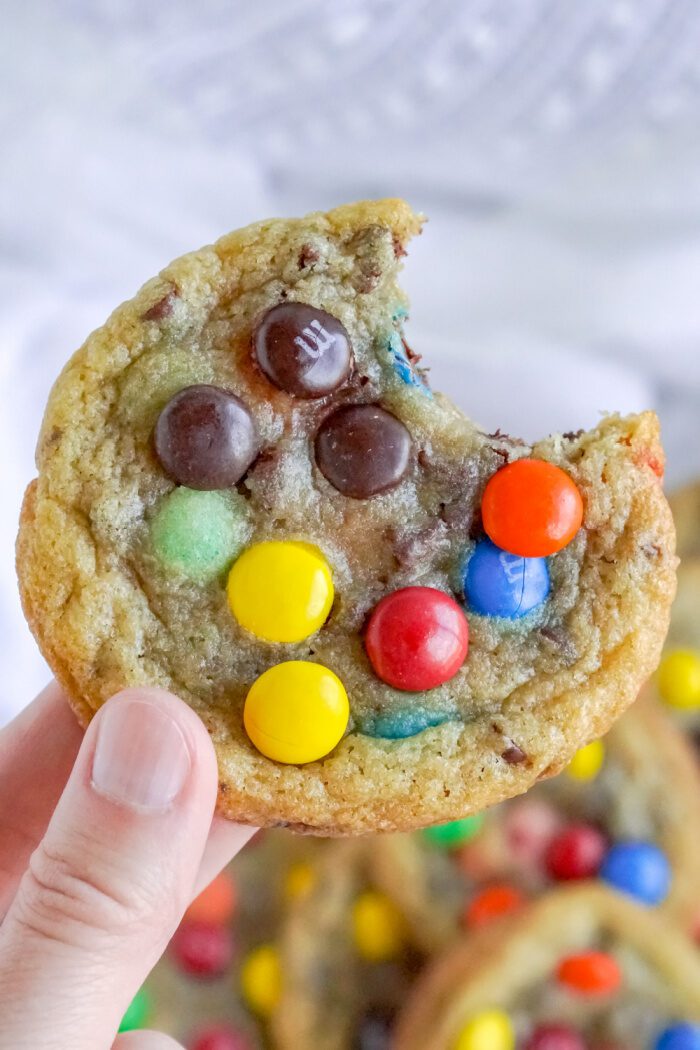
[247, 494]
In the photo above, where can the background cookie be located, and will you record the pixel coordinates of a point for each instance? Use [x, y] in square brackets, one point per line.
[256, 409]
[626, 811]
[347, 958]
[591, 965]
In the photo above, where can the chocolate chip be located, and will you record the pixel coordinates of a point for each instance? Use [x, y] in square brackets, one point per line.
[514, 755]
[302, 350]
[308, 256]
[205, 438]
[162, 308]
[561, 640]
[363, 450]
[573, 435]
[399, 250]
[651, 550]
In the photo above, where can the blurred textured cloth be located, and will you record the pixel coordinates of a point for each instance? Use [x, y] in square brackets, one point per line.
[555, 146]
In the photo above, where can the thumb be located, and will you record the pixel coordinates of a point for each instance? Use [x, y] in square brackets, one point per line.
[106, 888]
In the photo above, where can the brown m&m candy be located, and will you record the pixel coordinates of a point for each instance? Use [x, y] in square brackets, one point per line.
[205, 438]
[363, 450]
[302, 350]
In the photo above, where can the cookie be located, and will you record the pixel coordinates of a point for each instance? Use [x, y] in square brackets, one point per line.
[221, 973]
[249, 495]
[627, 811]
[581, 964]
[347, 959]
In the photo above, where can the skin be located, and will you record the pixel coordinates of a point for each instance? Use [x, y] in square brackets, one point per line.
[86, 916]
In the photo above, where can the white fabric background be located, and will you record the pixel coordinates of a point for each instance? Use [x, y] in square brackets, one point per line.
[555, 146]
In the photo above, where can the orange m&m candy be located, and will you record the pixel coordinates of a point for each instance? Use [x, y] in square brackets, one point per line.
[590, 973]
[531, 508]
[491, 903]
[215, 904]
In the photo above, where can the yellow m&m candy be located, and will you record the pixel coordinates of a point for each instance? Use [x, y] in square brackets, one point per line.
[281, 591]
[299, 880]
[587, 762]
[679, 679]
[296, 712]
[378, 927]
[261, 979]
[487, 1030]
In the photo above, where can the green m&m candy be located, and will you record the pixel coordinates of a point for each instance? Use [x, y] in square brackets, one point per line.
[199, 534]
[138, 1012]
[454, 834]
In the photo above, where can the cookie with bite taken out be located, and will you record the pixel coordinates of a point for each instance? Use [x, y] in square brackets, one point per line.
[248, 494]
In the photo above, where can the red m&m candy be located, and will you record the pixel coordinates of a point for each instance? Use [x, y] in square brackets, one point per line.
[220, 1037]
[531, 508]
[201, 949]
[417, 638]
[555, 1037]
[590, 973]
[576, 853]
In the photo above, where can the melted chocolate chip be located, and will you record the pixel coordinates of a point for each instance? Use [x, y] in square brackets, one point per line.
[162, 308]
[302, 350]
[363, 450]
[205, 438]
[514, 755]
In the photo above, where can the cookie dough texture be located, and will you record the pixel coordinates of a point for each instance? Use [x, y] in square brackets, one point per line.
[107, 614]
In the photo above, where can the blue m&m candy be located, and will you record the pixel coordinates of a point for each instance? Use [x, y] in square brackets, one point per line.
[403, 367]
[497, 583]
[639, 869]
[683, 1036]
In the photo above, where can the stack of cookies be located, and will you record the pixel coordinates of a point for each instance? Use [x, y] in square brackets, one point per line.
[389, 621]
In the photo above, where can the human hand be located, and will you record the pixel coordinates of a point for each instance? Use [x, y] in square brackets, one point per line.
[105, 837]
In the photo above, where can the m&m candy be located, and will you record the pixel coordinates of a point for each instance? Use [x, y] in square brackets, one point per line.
[202, 949]
[303, 350]
[138, 1012]
[205, 438]
[363, 450]
[531, 508]
[281, 591]
[576, 852]
[492, 903]
[378, 927]
[587, 762]
[487, 1030]
[296, 712]
[219, 1037]
[417, 638]
[261, 979]
[678, 679]
[590, 973]
[198, 534]
[299, 880]
[455, 833]
[403, 367]
[530, 825]
[682, 1036]
[639, 869]
[555, 1037]
[215, 904]
[497, 583]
